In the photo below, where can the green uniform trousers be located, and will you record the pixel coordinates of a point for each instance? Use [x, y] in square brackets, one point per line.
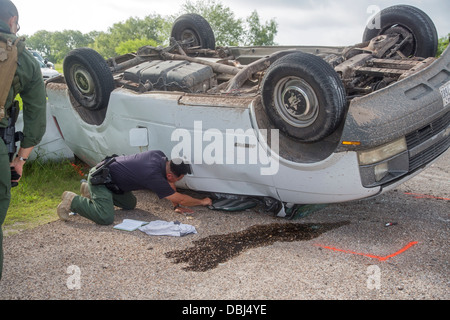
[5, 193]
[100, 208]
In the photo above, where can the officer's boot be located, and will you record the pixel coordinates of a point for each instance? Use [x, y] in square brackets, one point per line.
[63, 209]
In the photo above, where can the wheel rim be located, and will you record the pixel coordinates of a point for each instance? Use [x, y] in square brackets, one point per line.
[192, 36]
[83, 81]
[296, 102]
[410, 47]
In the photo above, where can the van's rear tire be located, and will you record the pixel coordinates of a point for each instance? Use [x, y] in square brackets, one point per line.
[194, 27]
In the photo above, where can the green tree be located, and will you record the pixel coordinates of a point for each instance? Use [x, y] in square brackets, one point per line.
[152, 27]
[55, 45]
[443, 44]
[65, 41]
[229, 30]
[41, 41]
[104, 44]
[133, 45]
[258, 34]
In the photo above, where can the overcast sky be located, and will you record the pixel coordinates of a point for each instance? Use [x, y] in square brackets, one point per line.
[301, 22]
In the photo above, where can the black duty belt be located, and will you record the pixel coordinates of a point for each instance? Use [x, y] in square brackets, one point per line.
[101, 176]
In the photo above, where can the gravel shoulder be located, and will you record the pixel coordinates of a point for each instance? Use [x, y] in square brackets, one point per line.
[46, 262]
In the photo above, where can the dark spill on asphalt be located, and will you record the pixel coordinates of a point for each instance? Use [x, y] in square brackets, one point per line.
[209, 252]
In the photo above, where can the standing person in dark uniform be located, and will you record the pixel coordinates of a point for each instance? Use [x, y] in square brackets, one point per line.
[27, 82]
[149, 170]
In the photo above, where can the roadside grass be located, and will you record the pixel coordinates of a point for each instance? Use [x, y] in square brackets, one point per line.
[34, 201]
[59, 67]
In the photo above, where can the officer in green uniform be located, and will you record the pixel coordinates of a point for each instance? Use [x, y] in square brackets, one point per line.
[32, 91]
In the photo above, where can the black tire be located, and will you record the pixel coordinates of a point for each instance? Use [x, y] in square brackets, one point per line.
[194, 26]
[89, 78]
[406, 20]
[304, 97]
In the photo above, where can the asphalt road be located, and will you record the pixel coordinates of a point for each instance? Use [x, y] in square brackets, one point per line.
[344, 251]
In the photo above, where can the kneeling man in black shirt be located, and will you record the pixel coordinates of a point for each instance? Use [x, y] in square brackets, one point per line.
[149, 170]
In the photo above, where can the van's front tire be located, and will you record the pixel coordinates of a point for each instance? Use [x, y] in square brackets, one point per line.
[304, 97]
[406, 21]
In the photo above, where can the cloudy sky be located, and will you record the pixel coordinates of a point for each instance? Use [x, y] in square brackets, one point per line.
[304, 22]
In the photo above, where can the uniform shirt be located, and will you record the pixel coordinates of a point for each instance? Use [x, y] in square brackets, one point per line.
[145, 170]
[32, 92]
